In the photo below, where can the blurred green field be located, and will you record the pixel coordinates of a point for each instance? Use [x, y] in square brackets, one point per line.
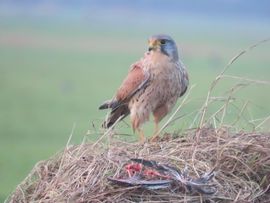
[55, 75]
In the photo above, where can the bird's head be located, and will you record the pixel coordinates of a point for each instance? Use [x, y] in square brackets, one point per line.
[164, 44]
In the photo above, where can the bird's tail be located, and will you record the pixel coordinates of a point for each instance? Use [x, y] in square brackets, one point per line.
[108, 104]
[119, 111]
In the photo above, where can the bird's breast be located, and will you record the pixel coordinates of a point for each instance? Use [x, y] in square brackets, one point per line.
[163, 87]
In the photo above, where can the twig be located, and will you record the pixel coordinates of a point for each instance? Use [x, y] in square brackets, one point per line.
[108, 131]
[260, 124]
[214, 83]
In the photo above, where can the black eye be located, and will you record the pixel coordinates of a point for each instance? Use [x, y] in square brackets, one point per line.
[163, 41]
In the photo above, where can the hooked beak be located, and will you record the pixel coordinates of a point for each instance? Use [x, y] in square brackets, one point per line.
[153, 44]
[150, 48]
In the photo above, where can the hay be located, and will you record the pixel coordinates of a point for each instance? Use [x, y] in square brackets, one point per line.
[79, 173]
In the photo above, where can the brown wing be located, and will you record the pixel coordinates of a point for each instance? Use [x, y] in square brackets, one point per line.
[135, 80]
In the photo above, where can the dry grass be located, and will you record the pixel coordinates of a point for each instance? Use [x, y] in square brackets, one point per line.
[79, 174]
[241, 159]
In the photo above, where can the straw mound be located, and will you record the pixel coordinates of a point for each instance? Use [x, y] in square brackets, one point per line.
[79, 174]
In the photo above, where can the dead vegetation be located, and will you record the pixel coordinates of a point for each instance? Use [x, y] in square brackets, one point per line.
[241, 160]
[79, 174]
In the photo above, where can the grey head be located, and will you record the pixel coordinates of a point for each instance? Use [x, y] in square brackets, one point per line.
[164, 44]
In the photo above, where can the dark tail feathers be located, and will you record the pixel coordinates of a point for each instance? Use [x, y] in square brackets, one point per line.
[118, 110]
[121, 111]
[109, 104]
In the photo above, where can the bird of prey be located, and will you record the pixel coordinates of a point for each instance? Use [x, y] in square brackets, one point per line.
[153, 85]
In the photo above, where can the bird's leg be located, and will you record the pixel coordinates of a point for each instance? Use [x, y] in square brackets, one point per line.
[141, 135]
[156, 133]
[158, 114]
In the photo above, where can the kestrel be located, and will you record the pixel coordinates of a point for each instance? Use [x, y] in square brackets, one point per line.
[153, 85]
